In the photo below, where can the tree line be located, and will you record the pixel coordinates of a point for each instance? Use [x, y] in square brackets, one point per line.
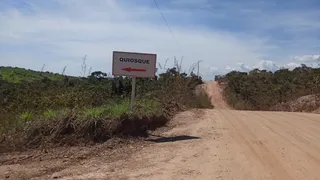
[261, 89]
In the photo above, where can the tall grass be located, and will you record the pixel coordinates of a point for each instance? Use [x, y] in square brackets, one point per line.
[94, 108]
[202, 98]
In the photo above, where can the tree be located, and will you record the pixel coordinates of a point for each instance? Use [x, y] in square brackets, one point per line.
[98, 75]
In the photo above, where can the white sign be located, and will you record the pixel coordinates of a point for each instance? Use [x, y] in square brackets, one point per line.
[133, 64]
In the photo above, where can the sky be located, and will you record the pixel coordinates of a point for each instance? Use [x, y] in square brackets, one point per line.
[225, 35]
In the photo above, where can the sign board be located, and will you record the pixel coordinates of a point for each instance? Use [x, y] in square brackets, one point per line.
[134, 64]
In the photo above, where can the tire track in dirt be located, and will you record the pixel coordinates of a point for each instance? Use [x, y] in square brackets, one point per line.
[240, 143]
[297, 152]
[260, 151]
[286, 124]
[296, 155]
[296, 122]
[309, 124]
[305, 116]
[292, 131]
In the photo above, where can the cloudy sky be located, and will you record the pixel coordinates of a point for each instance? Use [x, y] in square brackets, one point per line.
[226, 35]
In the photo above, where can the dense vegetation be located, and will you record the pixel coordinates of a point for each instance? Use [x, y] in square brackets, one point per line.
[17, 75]
[38, 108]
[262, 90]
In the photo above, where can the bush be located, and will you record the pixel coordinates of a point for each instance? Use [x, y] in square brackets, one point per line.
[72, 110]
[261, 90]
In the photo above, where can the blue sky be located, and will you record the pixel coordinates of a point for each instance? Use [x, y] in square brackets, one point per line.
[226, 35]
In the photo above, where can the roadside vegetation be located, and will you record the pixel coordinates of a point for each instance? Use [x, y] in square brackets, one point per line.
[45, 109]
[17, 75]
[279, 90]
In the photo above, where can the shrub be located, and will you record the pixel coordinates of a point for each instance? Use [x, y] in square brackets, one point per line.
[70, 110]
[261, 90]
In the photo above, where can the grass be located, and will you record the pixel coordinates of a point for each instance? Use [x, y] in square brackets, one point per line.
[202, 98]
[143, 107]
[148, 107]
[17, 75]
[26, 116]
[82, 125]
[50, 114]
[114, 110]
[38, 108]
[29, 120]
[94, 113]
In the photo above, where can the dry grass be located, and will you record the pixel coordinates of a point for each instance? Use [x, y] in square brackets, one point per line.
[76, 126]
[71, 112]
[202, 98]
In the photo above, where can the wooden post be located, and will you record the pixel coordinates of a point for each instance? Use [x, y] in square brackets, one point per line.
[133, 93]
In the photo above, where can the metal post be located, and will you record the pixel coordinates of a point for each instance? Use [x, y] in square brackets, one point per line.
[133, 92]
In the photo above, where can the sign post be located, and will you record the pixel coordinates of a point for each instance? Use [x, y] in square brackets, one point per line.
[133, 92]
[133, 65]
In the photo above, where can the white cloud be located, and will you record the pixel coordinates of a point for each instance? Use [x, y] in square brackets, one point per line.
[243, 67]
[262, 65]
[308, 58]
[61, 35]
[90, 29]
[266, 65]
[292, 65]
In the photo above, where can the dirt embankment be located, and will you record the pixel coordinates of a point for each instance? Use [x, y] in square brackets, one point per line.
[308, 103]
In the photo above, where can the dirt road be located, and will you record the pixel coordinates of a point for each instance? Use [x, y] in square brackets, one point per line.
[222, 145]
[217, 144]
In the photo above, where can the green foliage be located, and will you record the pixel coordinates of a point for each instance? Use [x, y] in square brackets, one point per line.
[62, 109]
[26, 116]
[260, 90]
[17, 122]
[50, 114]
[148, 107]
[117, 109]
[94, 113]
[144, 107]
[18, 75]
[97, 96]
